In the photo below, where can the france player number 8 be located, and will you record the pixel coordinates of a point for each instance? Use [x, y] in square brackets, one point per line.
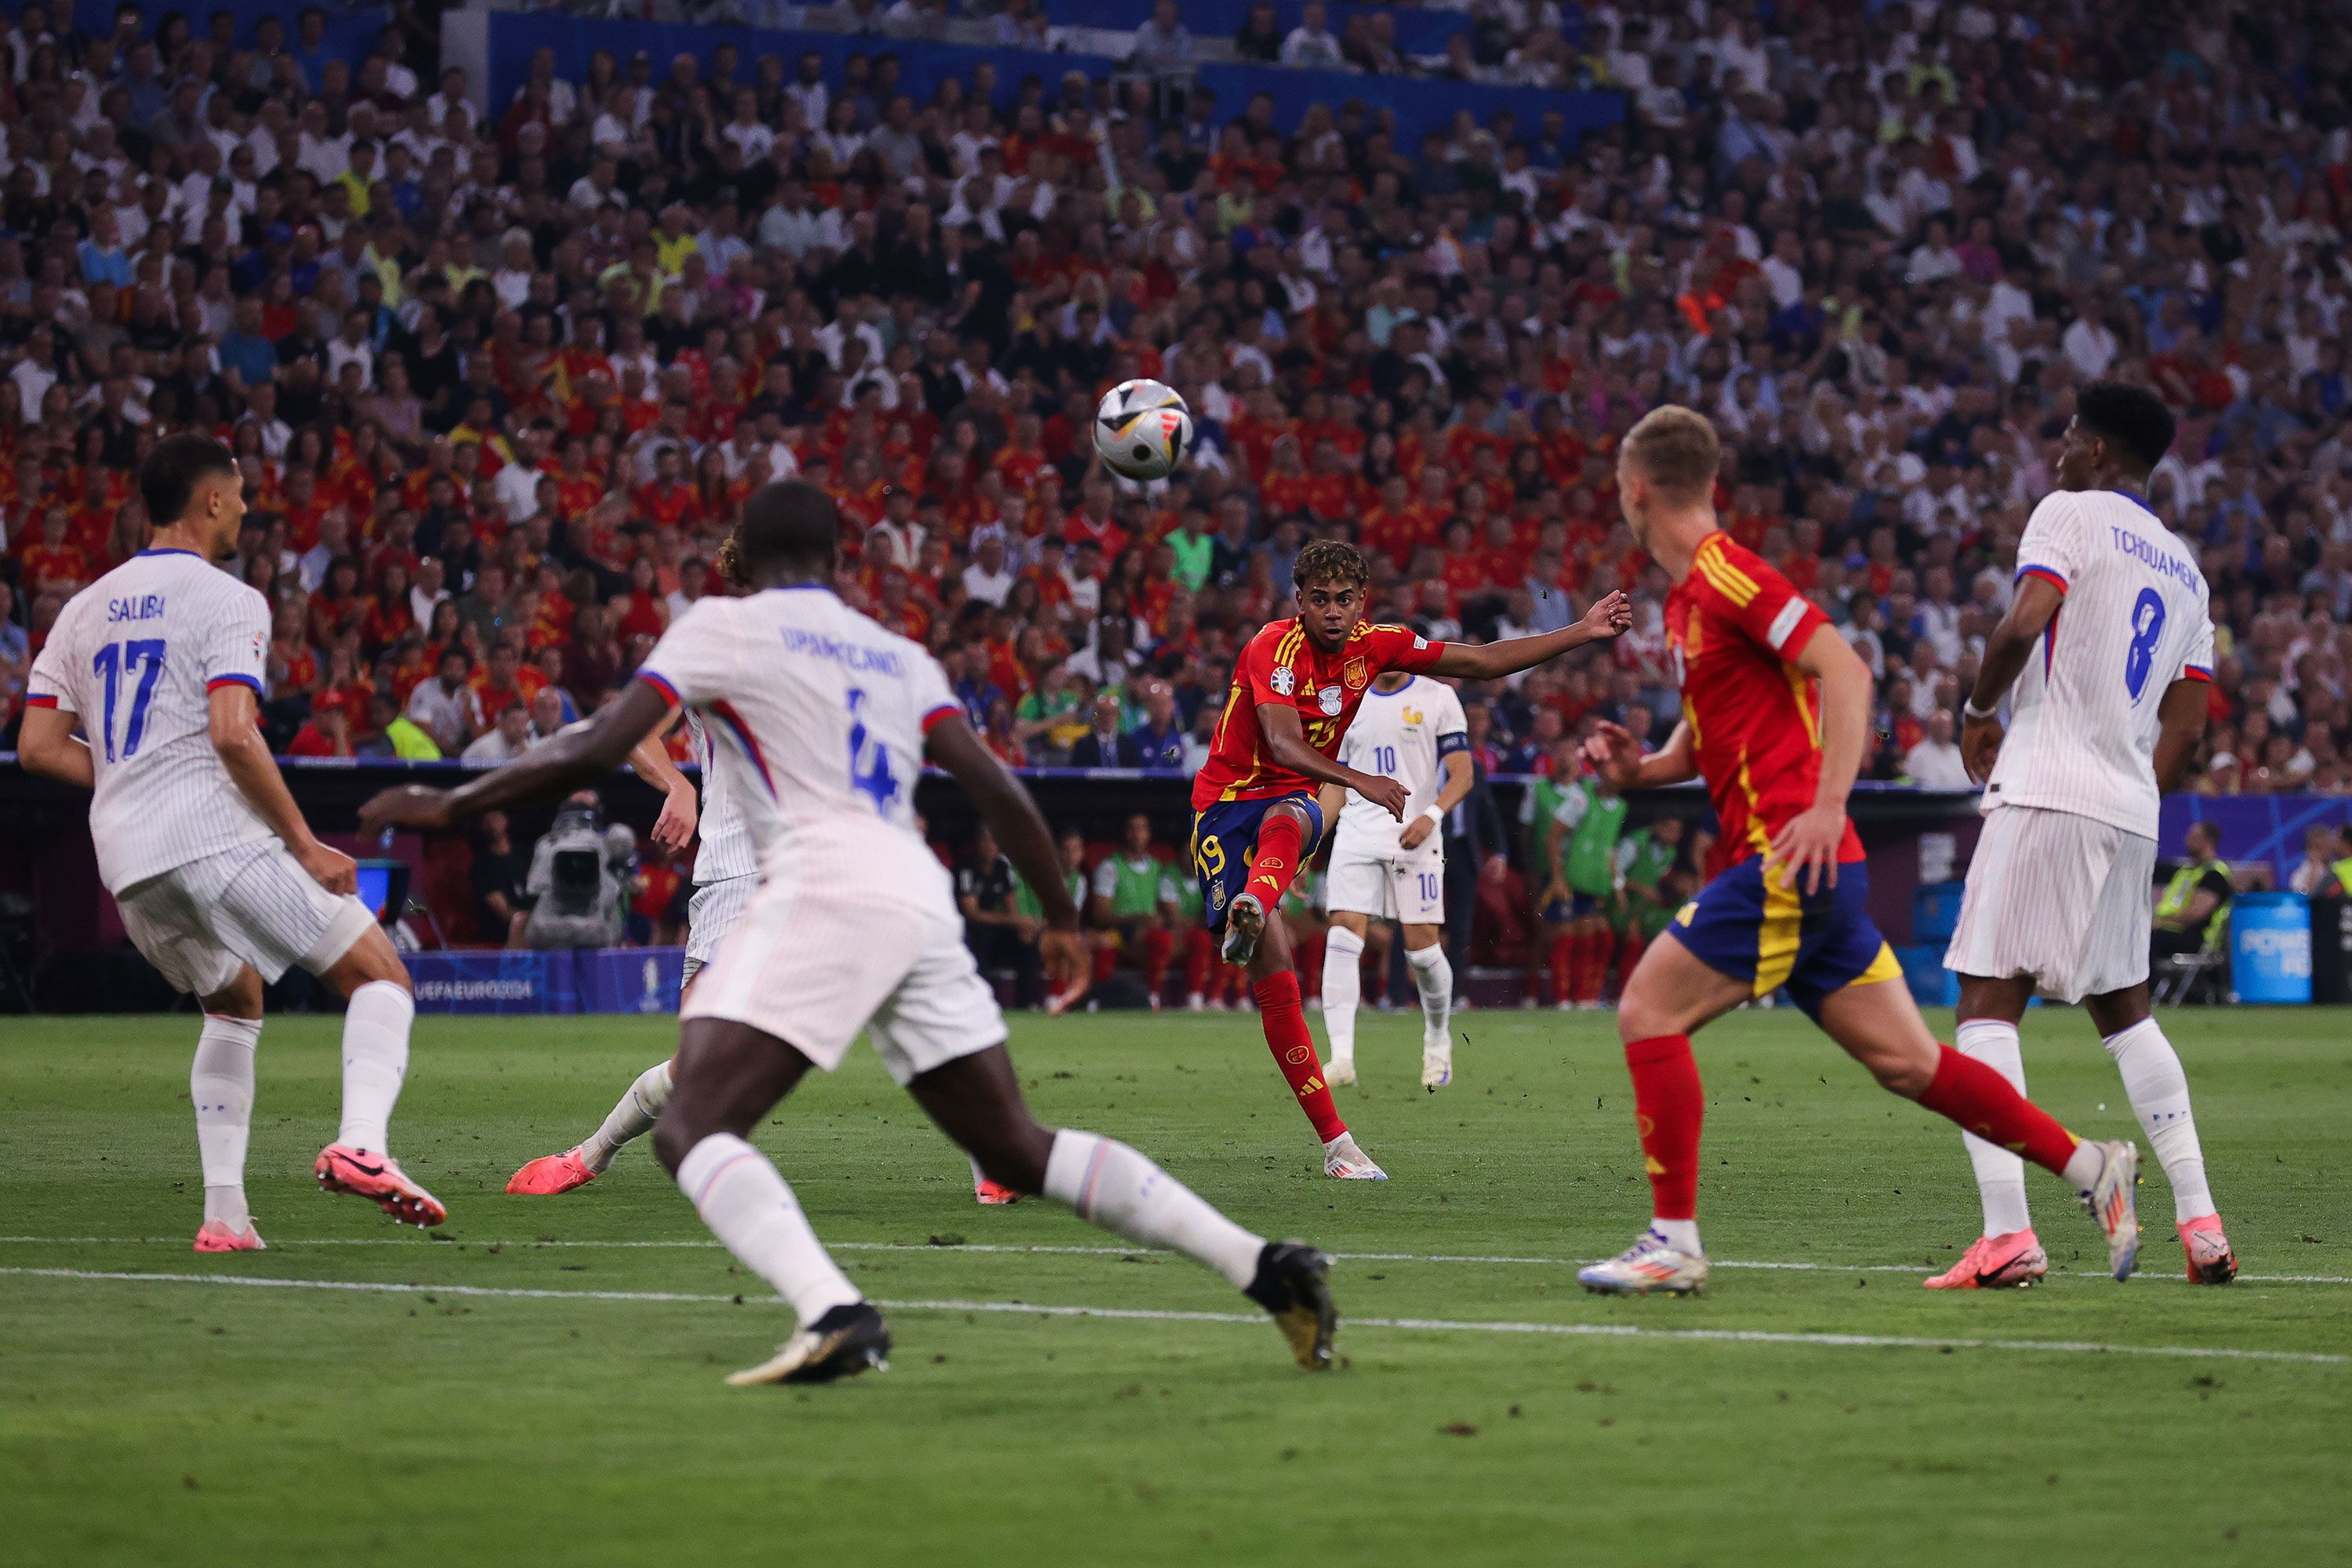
[2147, 624]
[116, 661]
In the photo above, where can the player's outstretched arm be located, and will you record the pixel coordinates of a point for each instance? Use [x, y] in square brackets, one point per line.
[47, 745]
[2006, 651]
[1808, 844]
[2181, 725]
[573, 757]
[1613, 750]
[1491, 661]
[674, 826]
[1287, 748]
[1011, 815]
[233, 722]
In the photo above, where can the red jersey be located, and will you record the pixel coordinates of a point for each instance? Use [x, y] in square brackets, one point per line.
[1733, 627]
[1281, 666]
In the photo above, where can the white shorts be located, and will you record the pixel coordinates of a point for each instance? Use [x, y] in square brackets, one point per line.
[2063, 898]
[200, 922]
[832, 944]
[710, 914]
[1406, 885]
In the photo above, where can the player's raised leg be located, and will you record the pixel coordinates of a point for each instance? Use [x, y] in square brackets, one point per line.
[631, 1118]
[1343, 960]
[376, 1019]
[1877, 1024]
[1242, 886]
[1669, 995]
[220, 1085]
[977, 1101]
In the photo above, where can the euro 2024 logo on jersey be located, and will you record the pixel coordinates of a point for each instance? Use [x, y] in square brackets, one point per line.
[1283, 680]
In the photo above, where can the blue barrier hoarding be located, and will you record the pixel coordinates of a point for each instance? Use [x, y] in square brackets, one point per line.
[2270, 948]
[630, 979]
[598, 980]
[509, 983]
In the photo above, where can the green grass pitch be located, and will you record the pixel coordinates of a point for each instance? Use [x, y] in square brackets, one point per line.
[544, 1384]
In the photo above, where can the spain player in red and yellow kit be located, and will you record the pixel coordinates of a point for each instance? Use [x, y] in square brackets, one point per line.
[1776, 709]
[1296, 690]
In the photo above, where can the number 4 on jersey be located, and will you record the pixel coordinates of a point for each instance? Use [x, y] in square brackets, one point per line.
[869, 758]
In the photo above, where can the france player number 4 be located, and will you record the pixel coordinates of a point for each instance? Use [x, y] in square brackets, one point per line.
[2148, 625]
[869, 758]
[117, 662]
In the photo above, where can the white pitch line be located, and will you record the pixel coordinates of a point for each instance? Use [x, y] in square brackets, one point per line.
[1799, 1267]
[1158, 1315]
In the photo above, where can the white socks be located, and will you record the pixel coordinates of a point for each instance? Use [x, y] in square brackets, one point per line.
[1435, 977]
[221, 1084]
[1343, 986]
[1113, 1186]
[2159, 1092]
[2000, 1175]
[633, 1117]
[1682, 1234]
[745, 1201]
[375, 1060]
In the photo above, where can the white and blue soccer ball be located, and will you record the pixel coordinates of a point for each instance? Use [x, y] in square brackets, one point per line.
[1142, 430]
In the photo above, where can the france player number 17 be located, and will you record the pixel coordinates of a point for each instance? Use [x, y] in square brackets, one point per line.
[115, 661]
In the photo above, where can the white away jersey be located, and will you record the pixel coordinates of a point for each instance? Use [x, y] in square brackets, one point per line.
[136, 654]
[726, 840]
[820, 711]
[1401, 735]
[2082, 730]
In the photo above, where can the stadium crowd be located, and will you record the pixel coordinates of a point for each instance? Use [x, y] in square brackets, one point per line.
[498, 384]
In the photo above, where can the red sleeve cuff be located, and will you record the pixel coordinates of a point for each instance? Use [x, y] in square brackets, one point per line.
[2195, 672]
[944, 710]
[217, 682]
[41, 699]
[2055, 579]
[660, 684]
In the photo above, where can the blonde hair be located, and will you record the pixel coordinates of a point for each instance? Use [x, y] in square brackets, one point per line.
[1676, 450]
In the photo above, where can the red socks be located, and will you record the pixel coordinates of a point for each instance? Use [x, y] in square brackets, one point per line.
[1668, 1106]
[1276, 861]
[1983, 1102]
[1284, 1021]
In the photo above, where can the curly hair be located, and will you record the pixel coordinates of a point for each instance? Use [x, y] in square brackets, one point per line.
[730, 567]
[1329, 561]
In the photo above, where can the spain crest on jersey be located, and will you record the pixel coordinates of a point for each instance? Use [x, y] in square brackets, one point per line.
[1355, 674]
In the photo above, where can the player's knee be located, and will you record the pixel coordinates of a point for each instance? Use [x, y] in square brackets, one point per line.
[1900, 1072]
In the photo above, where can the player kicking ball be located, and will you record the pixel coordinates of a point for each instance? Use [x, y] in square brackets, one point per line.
[2106, 714]
[221, 883]
[1256, 817]
[1411, 729]
[855, 927]
[1776, 707]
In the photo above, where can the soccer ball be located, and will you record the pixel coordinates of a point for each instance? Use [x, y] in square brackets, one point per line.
[1142, 430]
